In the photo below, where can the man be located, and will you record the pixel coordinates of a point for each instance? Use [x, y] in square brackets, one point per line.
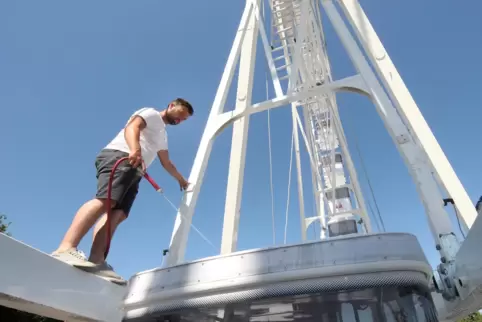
[143, 137]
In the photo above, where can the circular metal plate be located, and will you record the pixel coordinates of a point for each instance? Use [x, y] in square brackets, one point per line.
[331, 265]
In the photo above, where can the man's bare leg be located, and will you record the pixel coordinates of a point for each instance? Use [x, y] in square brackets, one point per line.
[99, 243]
[84, 219]
[98, 265]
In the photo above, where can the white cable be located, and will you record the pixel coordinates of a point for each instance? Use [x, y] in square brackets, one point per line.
[289, 186]
[192, 225]
[271, 180]
[367, 177]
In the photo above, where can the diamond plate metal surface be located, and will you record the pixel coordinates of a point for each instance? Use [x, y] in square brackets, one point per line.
[310, 286]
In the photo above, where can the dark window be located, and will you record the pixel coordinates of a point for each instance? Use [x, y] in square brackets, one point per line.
[342, 228]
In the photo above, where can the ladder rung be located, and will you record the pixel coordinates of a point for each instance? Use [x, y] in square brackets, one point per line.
[281, 47]
[284, 29]
[278, 58]
[283, 22]
[278, 2]
[283, 12]
[282, 67]
[282, 9]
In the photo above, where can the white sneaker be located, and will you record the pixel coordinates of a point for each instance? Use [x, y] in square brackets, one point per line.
[73, 257]
[106, 271]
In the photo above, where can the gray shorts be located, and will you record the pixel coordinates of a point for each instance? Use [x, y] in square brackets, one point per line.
[125, 184]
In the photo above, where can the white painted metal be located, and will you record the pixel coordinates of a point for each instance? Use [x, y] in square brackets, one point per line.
[375, 260]
[466, 278]
[419, 148]
[298, 27]
[298, 172]
[181, 227]
[217, 121]
[283, 39]
[415, 158]
[35, 282]
[411, 152]
[406, 106]
[234, 187]
[298, 32]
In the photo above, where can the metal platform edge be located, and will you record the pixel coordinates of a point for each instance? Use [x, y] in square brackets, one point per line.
[34, 282]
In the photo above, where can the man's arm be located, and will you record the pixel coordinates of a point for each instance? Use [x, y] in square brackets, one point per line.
[168, 165]
[132, 134]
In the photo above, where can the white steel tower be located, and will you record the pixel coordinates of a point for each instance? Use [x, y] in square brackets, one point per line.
[297, 58]
[300, 71]
[351, 273]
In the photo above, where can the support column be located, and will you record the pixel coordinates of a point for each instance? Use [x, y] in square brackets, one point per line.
[412, 154]
[408, 109]
[182, 225]
[234, 188]
[298, 172]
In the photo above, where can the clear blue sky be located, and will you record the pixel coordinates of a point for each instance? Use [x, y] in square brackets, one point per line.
[72, 72]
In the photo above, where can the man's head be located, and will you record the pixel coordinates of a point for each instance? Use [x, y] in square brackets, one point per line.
[177, 111]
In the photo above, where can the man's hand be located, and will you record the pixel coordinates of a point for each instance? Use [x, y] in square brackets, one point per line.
[183, 184]
[135, 158]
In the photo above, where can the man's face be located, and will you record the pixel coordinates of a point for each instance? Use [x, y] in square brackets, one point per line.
[176, 114]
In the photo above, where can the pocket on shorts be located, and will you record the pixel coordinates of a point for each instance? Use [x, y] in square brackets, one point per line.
[100, 159]
[105, 160]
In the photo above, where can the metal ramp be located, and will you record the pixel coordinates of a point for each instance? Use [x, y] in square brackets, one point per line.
[238, 283]
[34, 282]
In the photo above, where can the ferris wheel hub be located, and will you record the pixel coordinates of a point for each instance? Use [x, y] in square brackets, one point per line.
[334, 265]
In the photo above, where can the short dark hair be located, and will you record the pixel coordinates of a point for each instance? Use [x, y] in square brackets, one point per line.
[186, 104]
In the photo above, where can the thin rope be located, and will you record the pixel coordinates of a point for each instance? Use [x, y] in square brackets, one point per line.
[362, 162]
[271, 177]
[373, 213]
[289, 186]
[192, 225]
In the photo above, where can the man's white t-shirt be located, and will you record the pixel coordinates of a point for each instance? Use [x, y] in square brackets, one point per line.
[152, 138]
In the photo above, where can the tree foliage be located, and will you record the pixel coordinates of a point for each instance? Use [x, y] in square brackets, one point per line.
[9, 314]
[4, 224]
[474, 317]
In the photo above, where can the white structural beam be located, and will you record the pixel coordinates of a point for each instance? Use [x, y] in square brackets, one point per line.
[299, 177]
[319, 210]
[35, 282]
[234, 189]
[353, 84]
[408, 109]
[300, 32]
[412, 154]
[184, 216]
[279, 93]
[365, 83]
